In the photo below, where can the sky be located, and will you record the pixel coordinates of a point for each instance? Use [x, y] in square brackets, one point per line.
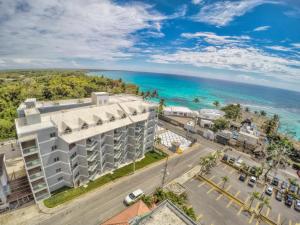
[251, 41]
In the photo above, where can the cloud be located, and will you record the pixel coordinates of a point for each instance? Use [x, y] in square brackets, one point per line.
[80, 29]
[197, 2]
[234, 58]
[215, 39]
[262, 28]
[279, 48]
[223, 12]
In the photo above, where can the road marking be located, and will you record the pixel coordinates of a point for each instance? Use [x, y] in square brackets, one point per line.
[227, 189]
[257, 222]
[256, 207]
[268, 211]
[201, 184]
[212, 177]
[210, 190]
[239, 212]
[278, 218]
[251, 218]
[200, 217]
[218, 198]
[229, 204]
[236, 194]
[247, 199]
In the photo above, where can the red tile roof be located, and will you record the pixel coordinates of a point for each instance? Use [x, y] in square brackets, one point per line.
[123, 218]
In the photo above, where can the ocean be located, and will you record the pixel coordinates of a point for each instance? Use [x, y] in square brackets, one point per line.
[181, 90]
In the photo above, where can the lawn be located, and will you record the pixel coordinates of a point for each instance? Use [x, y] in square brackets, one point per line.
[69, 194]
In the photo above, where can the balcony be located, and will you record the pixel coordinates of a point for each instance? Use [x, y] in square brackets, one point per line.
[93, 167]
[39, 187]
[30, 150]
[33, 163]
[35, 176]
[42, 195]
[92, 157]
[91, 146]
[118, 146]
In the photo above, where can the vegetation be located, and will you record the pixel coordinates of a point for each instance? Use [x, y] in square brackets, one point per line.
[265, 202]
[220, 124]
[16, 86]
[161, 106]
[263, 113]
[196, 100]
[225, 179]
[72, 193]
[216, 104]
[232, 111]
[179, 200]
[208, 162]
[254, 195]
[247, 109]
[271, 125]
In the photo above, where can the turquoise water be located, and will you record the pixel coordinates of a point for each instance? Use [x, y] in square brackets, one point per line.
[181, 90]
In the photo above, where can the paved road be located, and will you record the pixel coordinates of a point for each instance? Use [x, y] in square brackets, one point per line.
[101, 205]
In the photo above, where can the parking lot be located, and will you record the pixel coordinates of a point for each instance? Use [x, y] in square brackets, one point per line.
[215, 208]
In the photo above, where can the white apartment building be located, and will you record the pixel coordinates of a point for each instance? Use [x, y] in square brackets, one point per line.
[70, 142]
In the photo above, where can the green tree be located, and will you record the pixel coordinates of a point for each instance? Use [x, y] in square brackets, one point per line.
[232, 111]
[196, 100]
[216, 104]
[161, 106]
[263, 113]
[220, 124]
[247, 109]
[254, 195]
[225, 179]
[265, 202]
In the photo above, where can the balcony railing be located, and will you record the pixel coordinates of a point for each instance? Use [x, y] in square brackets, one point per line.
[39, 187]
[35, 176]
[30, 150]
[92, 157]
[33, 163]
[91, 146]
[93, 167]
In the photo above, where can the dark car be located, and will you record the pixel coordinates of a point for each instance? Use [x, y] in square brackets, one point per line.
[231, 160]
[293, 188]
[279, 196]
[275, 181]
[289, 200]
[225, 158]
[252, 170]
[242, 177]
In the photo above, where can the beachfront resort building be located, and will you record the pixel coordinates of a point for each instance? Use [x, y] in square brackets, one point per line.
[70, 142]
[179, 111]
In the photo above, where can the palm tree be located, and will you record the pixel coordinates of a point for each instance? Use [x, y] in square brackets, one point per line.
[196, 100]
[225, 179]
[247, 109]
[254, 195]
[264, 202]
[161, 106]
[216, 104]
[263, 113]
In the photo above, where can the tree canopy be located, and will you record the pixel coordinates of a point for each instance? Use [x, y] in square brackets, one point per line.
[16, 86]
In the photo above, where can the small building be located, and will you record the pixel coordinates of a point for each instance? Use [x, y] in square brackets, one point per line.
[179, 111]
[210, 114]
[165, 213]
[223, 137]
[206, 123]
[190, 126]
[247, 139]
[4, 186]
[208, 134]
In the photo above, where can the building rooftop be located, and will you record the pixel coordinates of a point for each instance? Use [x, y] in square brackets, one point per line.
[137, 209]
[164, 214]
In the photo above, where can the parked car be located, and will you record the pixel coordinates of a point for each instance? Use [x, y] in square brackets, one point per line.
[269, 190]
[252, 181]
[133, 197]
[252, 170]
[289, 200]
[242, 177]
[225, 158]
[293, 188]
[275, 181]
[231, 160]
[297, 205]
[238, 163]
[279, 195]
[284, 185]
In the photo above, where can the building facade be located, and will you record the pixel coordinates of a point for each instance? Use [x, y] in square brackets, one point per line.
[4, 186]
[70, 142]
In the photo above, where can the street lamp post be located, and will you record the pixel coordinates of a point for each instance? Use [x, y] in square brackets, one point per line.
[165, 173]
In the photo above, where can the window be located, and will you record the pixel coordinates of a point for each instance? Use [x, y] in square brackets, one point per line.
[56, 159]
[58, 170]
[73, 155]
[60, 178]
[84, 126]
[77, 174]
[99, 122]
[75, 165]
[52, 135]
[72, 146]
[68, 130]
[112, 119]
[54, 147]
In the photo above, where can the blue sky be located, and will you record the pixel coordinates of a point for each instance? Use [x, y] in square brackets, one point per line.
[252, 41]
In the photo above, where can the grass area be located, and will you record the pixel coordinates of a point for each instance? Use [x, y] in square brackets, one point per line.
[69, 194]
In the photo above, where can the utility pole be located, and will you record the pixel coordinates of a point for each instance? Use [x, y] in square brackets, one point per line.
[165, 173]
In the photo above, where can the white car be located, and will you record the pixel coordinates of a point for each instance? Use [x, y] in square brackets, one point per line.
[252, 181]
[133, 197]
[269, 190]
[238, 163]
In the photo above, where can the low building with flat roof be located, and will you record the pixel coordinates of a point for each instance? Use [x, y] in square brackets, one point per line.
[179, 111]
[210, 114]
